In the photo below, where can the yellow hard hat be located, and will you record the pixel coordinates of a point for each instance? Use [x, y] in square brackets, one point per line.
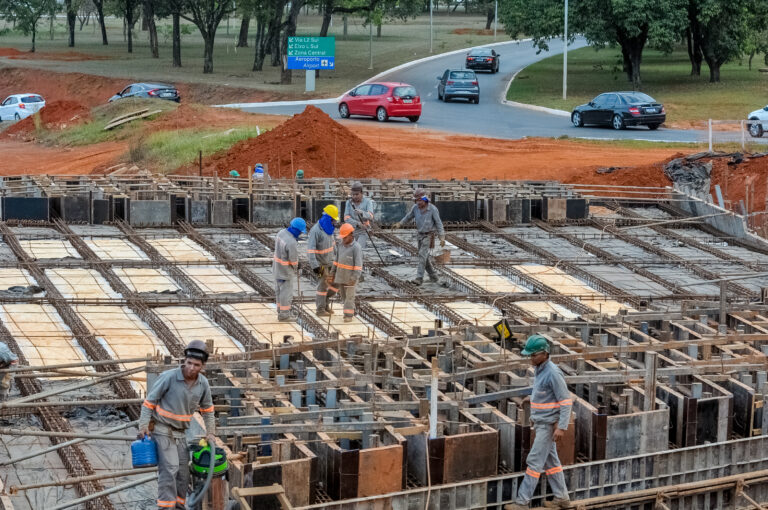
[332, 211]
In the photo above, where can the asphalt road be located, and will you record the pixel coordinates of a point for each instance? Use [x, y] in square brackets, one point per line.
[490, 117]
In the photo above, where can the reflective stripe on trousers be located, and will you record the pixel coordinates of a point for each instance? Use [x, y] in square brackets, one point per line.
[172, 471]
[284, 296]
[347, 295]
[324, 291]
[542, 459]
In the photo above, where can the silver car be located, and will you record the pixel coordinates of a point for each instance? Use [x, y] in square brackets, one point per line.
[756, 129]
[458, 83]
[20, 106]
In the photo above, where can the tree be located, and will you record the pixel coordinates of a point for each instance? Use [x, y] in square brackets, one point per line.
[391, 9]
[207, 15]
[723, 32]
[26, 14]
[149, 16]
[71, 18]
[173, 8]
[99, 4]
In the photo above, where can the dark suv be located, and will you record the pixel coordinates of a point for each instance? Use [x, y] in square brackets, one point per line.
[148, 90]
[483, 58]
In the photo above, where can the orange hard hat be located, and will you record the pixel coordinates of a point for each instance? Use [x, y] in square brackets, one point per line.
[346, 229]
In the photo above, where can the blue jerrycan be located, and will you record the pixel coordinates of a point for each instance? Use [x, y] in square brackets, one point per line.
[144, 452]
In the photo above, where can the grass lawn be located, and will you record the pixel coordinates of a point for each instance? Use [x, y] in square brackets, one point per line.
[400, 42]
[665, 77]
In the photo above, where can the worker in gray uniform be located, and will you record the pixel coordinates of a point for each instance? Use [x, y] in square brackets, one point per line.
[166, 414]
[7, 360]
[551, 406]
[358, 212]
[321, 247]
[285, 267]
[347, 269]
[428, 224]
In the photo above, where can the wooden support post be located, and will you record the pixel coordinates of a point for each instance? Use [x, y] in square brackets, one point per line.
[651, 364]
[433, 401]
[723, 319]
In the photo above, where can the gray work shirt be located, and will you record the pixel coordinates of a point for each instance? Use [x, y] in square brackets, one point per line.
[286, 260]
[348, 264]
[6, 356]
[171, 403]
[320, 247]
[550, 400]
[359, 216]
[427, 221]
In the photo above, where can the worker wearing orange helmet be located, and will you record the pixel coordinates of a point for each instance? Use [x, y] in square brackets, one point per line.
[347, 269]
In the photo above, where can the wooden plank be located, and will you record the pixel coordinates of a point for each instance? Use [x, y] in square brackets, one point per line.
[130, 119]
[126, 115]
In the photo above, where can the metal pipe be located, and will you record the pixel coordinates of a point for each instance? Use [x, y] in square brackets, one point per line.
[77, 403]
[14, 489]
[106, 492]
[59, 446]
[76, 365]
[44, 433]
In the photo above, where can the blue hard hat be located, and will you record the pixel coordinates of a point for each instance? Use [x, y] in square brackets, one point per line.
[299, 224]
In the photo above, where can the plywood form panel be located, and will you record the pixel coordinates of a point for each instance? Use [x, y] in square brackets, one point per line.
[140, 279]
[181, 250]
[479, 313]
[542, 309]
[41, 334]
[189, 324]
[405, 314]
[489, 279]
[469, 456]
[216, 280]
[380, 471]
[115, 249]
[49, 248]
[261, 320]
[12, 277]
[346, 329]
[81, 283]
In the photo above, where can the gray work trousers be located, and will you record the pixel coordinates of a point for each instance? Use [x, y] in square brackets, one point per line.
[347, 295]
[325, 292]
[284, 296]
[172, 471]
[425, 260]
[542, 459]
[361, 237]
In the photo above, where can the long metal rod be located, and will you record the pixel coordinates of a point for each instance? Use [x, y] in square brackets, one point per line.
[77, 403]
[116, 488]
[14, 489]
[59, 446]
[75, 365]
[44, 433]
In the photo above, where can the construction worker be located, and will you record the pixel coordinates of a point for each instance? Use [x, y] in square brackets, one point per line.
[285, 266]
[320, 252]
[258, 171]
[170, 403]
[347, 269]
[7, 360]
[428, 224]
[358, 212]
[550, 414]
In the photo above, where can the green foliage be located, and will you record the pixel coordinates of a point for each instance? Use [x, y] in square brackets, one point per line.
[166, 31]
[27, 13]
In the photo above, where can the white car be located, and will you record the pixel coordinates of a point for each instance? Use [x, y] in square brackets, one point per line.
[20, 106]
[756, 129]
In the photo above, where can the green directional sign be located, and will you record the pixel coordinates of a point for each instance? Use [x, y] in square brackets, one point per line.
[311, 46]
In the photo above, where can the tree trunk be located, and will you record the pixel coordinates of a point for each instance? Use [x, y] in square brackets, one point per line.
[149, 8]
[129, 23]
[144, 20]
[71, 18]
[34, 37]
[51, 17]
[751, 56]
[346, 23]
[632, 54]
[290, 31]
[327, 15]
[695, 52]
[765, 58]
[242, 39]
[627, 63]
[100, 14]
[273, 36]
[208, 52]
[176, 41]
[378, 30]
[260, 45]
[489, 16]
[714, 68]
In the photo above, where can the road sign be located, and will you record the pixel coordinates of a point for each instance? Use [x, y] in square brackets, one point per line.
[311, 53]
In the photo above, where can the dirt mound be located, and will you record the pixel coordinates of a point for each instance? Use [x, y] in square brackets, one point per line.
[311, 141]
[11, 52]
[55, 115]
[195, 115]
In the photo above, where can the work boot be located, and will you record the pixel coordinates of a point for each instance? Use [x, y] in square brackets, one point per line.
[417, 281]
[322, 313]
[557, 503]
[348, 318]
[515, 506]
[330, 312]
[434, 278]
[362, 278]
[287, 318]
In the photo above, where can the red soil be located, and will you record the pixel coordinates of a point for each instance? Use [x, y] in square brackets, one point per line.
[55, 115]
[69, 56]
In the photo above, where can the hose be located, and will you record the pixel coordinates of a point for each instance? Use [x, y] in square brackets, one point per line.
[195, 498]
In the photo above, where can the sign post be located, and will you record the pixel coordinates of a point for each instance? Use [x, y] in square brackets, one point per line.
[310, 54]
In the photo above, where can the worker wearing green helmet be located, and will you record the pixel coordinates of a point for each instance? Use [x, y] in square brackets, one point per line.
[550, 414]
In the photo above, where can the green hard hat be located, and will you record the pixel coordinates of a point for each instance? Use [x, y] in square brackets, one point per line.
[534, 344]
[299, 173]
[234, 173]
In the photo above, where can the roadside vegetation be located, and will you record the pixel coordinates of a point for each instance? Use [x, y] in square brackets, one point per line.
[665, 77]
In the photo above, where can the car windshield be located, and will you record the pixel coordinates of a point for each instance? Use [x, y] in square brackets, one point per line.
[481, 52]
[636, 97]
[32, 99]
[462, 75]
[404, 91]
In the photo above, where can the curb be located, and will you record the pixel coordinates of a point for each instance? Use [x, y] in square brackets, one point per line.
[373, 78]
[503, 100]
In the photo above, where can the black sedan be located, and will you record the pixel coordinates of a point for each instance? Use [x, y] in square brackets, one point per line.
[483, 58]
[149, 91]
[619, 110]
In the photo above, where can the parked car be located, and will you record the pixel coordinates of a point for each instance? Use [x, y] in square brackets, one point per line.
[483, 58]
[756, 129]
[20, 106]
[619, 110]
[382, 100]
[456, 83]
[148, 90]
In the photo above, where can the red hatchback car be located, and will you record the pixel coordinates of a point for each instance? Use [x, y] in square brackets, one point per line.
[382, 100]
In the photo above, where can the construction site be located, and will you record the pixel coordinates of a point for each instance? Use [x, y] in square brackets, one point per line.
[655, 302]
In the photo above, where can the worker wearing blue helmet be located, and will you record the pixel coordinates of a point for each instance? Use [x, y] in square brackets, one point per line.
[285, 267]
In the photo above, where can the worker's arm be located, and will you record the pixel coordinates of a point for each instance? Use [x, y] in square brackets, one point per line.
[312, 249]
[438, 223]
[206, 411]
[7, 356]
[563, 396]
[293, 255]
[357, 262]
[408, 217]
[154, 395]
[351, 214]
[367, 213]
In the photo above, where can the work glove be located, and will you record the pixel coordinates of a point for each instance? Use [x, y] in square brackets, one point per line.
[442, 241]
[318, 271]
[396, 226]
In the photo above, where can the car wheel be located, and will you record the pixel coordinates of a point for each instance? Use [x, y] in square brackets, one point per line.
[476, 100]
[439, 96]
[381, 114]
[576, 119]
[344, 111]
[618, 122]
[446, 99]
[413, 118]
[755, 129]
[653, 127]
[17, 116]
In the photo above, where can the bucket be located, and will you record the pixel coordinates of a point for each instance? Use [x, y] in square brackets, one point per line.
[444, 257]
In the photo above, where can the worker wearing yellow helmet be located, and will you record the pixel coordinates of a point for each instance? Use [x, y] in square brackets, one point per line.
[321, 250]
